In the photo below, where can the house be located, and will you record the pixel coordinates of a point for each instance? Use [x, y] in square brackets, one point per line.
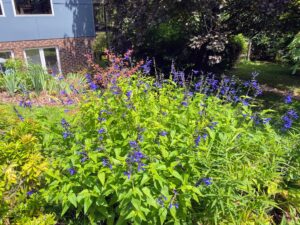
[53, 33]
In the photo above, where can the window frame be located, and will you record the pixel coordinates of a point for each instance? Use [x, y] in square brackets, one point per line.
[12, 56]
[42, 56]
[2, 8]
[28, 15]
[9, 50]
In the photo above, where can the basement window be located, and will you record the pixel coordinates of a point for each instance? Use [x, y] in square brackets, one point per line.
[33, 7]
[4, 56]
[48, 58]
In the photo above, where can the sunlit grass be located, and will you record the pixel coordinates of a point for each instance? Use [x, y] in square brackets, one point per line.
[271, 74]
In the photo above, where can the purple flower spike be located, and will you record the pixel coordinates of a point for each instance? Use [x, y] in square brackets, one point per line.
[288, 99]
[163, 133]
[184, 103]
[84, 159]
[176, 205]
[62, 92]
[72, 171]
[29, 193]
[133, 144]
[266, 120]
[128, 174]
[129, 94]
[101, 131]
[147, 67]
[197, 141]
[293, 114]
[207, 181]
[69, 101]
[93, 86]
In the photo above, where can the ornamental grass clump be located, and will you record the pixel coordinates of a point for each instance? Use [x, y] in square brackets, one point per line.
[149, 152]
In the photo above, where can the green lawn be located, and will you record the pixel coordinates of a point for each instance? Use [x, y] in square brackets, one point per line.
[277, 78]
[271, 74]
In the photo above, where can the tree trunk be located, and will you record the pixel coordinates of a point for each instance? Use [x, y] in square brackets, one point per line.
[249, 50]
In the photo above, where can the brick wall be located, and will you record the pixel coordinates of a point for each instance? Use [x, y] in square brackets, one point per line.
[71, 50]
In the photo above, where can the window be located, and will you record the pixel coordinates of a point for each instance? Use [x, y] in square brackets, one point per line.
[48, 58]
[33, 7]
[1, 8]
[3, 57]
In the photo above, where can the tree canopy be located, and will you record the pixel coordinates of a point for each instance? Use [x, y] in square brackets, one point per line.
[195, 31]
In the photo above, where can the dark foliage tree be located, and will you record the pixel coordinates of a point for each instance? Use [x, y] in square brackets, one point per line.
[195, 32]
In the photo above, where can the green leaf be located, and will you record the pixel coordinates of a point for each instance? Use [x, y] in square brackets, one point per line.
[136, 203]
[101, 176]
[131, 215]
[177, 175]
[145, 179]
[87, 204]
[147, 191]
[65, 209]
[173, 212]
[162, 215]
[72, 198]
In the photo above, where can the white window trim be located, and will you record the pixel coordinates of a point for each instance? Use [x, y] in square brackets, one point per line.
[2, 7]
[42, 56]
[33, 15]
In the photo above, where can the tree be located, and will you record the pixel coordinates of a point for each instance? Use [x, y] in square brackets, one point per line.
[270, 18]
[194, 31]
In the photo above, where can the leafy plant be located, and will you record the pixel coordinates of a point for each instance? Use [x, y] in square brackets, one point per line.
[38, 77]
[294, 52]
[144, 152]
[21, 170]
[11, 81]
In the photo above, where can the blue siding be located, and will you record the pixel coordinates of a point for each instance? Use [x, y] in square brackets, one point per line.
[72, 18]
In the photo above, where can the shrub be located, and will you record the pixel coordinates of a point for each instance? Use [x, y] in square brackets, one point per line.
[48, 219]
[99, 47]
[236, 46]
[142, 152]
[118, 66]
[294, 53]
[21, 170]
[23, 160]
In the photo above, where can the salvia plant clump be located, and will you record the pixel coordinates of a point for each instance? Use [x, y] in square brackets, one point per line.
[145, 151]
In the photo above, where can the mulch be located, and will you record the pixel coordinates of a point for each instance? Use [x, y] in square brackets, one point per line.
[43, 99]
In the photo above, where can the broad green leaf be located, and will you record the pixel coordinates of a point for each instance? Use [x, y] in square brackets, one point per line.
[65, 209]
[136, 203]
[177, 175]
[162, 215]
[87, 204]
[101, 176]
[72, 198]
